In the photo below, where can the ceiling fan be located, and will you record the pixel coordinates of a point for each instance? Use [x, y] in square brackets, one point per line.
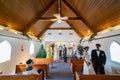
[58, 16]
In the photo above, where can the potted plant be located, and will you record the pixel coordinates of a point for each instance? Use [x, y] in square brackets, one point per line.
[80, 49]
[41, 53]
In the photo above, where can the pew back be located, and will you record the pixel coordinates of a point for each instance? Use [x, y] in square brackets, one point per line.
[21, 77]
[97, 77]
[76, 65]
[42, 60]
[22, 68]
[76, 61]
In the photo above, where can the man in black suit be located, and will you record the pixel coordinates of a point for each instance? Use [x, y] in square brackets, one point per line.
[65, 54]
[98, 59]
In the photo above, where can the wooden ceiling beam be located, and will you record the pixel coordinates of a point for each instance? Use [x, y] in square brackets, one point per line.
[60, 28]
[46, 27]
[79, 15]
[43, 30]
[69, 18]
[78, 33]
[39, 14]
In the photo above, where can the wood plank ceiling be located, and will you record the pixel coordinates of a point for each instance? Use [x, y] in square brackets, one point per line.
[32, 16]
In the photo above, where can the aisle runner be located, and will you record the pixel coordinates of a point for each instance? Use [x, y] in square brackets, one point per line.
[60, 71]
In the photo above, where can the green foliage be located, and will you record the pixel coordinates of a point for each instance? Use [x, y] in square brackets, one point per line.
[26, 35]
[80, 49]
[80, 40]
[41, 53]
[49, 53]
[92, 37]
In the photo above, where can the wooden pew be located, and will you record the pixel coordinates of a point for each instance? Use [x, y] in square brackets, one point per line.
[22, 68]
[21, 77]
[1, 72]
[76, 65]
[96, 77]
[42, 60]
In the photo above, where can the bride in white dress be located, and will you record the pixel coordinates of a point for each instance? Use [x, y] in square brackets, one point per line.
[56, 54]
[88, 68]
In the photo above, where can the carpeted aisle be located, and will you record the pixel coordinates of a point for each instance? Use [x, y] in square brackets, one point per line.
[60, 71]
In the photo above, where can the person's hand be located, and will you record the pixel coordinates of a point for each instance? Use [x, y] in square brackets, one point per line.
[88, 63]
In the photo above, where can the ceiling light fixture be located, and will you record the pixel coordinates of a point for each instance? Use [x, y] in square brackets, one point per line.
[58, 15]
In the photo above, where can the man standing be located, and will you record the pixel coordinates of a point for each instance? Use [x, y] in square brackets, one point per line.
[65, 53]
[98, 59]
[60, 50]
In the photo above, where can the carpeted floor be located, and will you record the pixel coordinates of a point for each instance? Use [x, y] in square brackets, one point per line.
[60, 71]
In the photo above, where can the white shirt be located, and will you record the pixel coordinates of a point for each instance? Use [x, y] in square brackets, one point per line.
[98, 53]
[30, 72]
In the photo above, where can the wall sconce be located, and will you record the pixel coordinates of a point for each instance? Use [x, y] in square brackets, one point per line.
[22, 48]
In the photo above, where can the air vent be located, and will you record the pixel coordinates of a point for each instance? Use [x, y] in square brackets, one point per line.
[49, 33]
[70, 33]
[60, 33]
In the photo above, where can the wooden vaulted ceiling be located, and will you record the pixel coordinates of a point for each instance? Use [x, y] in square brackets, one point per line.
[85, 16]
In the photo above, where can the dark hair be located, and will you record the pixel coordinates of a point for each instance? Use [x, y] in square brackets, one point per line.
[86, 47]
[98, 45]
[39, 70]
[29, 61]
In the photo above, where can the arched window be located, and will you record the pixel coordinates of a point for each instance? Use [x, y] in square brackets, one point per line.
[31, 48]
[115, 51]
[5, 51]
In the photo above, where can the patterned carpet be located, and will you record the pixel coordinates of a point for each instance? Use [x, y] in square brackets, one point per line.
[60, 71]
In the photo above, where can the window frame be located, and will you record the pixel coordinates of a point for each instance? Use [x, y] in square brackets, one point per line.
[116, 61]
[9, 53]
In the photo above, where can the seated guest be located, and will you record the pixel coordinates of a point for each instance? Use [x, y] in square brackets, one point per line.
[30, 70]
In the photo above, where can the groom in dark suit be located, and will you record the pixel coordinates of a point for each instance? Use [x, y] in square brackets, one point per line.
[65, 53]
[98, 59]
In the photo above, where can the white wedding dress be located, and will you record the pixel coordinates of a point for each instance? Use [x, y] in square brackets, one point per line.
[88, 69]
[56, 54]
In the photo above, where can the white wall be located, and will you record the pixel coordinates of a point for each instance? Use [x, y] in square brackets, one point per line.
[17, 55]
[63, 37]
[105, 45]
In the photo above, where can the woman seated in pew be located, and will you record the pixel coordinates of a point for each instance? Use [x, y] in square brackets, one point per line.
[88, 68]
[30, 70]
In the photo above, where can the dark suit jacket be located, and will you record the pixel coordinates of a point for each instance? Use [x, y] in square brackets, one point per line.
[65, 51]
[98, 60]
